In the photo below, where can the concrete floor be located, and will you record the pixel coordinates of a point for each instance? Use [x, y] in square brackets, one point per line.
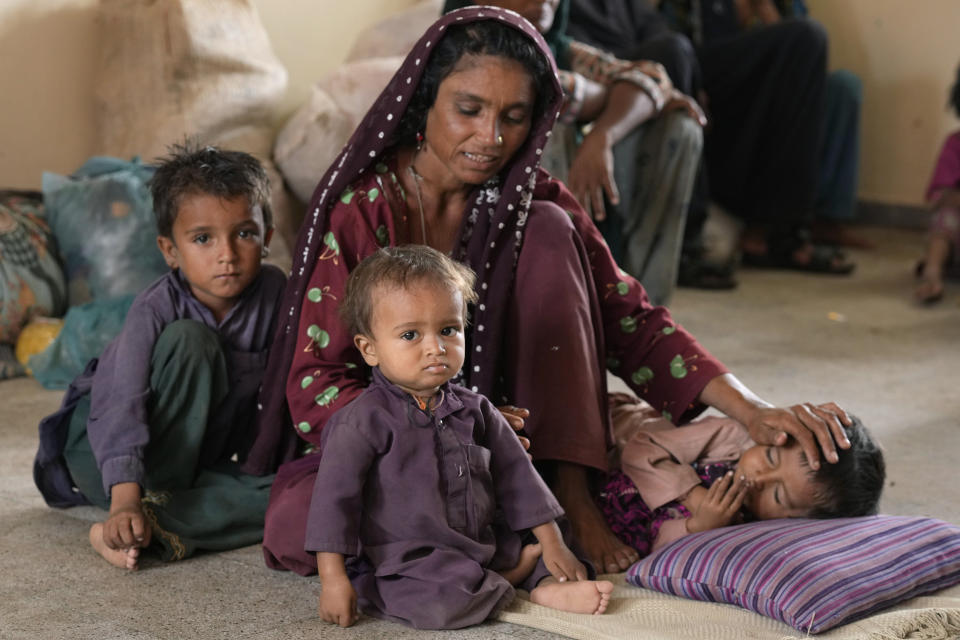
[791, 337]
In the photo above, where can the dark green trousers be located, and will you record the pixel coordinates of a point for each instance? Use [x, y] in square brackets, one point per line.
[190, 506]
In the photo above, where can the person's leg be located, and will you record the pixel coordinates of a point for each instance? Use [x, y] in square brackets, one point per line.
[665, 158]
[553, 355]
[839, 156]
[840, 147]
[944, 237]
[445, 589]
[766, 98]
[285, 522]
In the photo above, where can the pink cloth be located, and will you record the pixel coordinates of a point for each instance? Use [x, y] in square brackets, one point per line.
[659, 458]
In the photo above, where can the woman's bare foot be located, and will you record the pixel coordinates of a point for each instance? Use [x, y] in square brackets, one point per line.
[525, 566]
[607, 553]
[580, 596]
[122, 558]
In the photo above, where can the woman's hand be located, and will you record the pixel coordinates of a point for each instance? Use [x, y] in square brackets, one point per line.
[515, 418]
[677, 100]
[718, 505]
[591, 174]
[658, 72]
[814, 427]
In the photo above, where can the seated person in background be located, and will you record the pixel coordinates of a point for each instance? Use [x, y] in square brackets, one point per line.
[423, 484]
[836, 202]
[150, 429]
[943, 194]
[765, 95]
[710, 474]
[635, 180]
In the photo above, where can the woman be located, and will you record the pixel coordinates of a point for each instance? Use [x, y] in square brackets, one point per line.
[448, 156]
[635, 166]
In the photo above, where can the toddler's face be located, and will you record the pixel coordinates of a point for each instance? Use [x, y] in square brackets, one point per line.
[418, 339]
[779, 482]
[217, 244]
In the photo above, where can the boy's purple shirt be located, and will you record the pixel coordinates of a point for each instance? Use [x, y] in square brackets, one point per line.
[119, 380]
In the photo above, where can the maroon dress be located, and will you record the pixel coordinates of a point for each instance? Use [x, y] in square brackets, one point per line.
[554, 312]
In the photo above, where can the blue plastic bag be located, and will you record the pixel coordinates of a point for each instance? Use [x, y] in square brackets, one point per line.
[87, 330]
[102, 218]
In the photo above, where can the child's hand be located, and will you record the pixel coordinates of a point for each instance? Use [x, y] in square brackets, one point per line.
[719, 505]
[126, 527]
[562, 564]
[338, 601]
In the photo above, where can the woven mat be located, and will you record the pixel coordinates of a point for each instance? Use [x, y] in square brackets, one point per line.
[640, 613]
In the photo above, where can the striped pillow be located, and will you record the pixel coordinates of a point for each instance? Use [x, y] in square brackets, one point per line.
[811, 574]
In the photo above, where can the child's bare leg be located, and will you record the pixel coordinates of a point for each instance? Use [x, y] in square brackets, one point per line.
[525, 566]
[122, 558]
[578, 596]
[930, 288]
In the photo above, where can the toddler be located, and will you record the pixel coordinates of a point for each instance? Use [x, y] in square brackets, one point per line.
[423, 486]
[943, 195]
[708, 474]
[153, 430]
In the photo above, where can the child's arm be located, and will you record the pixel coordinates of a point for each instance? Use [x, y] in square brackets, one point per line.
[338, 599]
[126, 526]
[559, 560]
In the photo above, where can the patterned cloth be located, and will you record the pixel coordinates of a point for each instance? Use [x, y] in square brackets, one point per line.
[31, 280]
[631, 520]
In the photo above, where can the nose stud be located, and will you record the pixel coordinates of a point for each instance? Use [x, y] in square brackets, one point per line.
[500, 139]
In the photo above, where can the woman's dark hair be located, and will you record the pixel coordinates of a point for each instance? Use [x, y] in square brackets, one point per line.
[192, 170]
[490, 38]
[851, 487]
[955, 94]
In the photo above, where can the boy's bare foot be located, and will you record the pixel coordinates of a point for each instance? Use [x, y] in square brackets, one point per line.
[580, 596]
[525, 566]
[122, 558]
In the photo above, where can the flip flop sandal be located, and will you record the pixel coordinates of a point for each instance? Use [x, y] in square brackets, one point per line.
[823, 259]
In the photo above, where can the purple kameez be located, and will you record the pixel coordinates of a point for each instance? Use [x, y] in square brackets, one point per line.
[411, 496]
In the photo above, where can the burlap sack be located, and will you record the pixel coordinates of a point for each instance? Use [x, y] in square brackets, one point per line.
[395, 35]
[314, 135]
[204, 69]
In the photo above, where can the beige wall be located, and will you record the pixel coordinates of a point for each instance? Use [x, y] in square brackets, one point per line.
[906, 53]
[47, 63]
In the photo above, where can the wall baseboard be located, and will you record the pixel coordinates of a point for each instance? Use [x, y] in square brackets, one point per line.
[883, 214]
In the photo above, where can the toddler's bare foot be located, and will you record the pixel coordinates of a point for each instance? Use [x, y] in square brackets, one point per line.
[528, 561]
[122, 558]
[581, 596]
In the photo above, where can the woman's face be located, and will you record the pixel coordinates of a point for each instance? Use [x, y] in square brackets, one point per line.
[480, 118]
[540, 12]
